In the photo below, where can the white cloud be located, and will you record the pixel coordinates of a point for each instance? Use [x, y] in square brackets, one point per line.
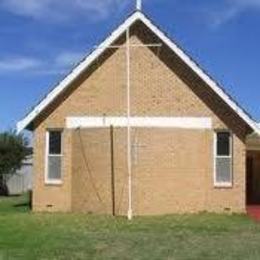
[246, 3]
[65, 59]
[232, 9]
[221, 17]
[58, 64]
[15, 64]
[62, 9]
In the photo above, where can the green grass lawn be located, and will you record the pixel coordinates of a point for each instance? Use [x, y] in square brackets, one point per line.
[24, 235]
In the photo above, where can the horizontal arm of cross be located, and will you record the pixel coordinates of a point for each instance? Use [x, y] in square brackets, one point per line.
[131, 45]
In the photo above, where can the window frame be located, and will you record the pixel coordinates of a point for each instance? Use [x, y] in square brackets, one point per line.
[49, 181]
[218, 184]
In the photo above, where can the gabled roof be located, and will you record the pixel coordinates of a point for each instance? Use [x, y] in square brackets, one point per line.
[137, 16]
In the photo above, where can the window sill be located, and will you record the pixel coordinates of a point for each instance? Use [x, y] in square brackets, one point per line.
[53, 183]
[223, 185]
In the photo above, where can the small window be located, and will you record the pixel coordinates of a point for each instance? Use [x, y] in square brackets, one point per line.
[54, 156]
[223, 159]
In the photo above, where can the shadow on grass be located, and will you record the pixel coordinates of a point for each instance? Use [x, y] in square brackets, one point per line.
[22, 205]
[14, 204]
[26, 202]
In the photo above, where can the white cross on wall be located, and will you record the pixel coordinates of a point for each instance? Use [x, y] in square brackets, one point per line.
[128, 46]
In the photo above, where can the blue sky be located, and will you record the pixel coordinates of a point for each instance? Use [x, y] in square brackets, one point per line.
[40, 40]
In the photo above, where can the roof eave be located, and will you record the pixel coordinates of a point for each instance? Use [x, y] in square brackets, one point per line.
[25, 123]
[203, 75]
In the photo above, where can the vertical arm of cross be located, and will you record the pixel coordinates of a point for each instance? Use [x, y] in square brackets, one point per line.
[128, 47]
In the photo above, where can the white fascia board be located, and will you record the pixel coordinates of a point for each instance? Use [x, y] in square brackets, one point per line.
[142, 122]
[96, 53]
[200, 73]
[76, 72]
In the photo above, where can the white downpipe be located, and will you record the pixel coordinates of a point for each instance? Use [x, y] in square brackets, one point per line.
[129, 152]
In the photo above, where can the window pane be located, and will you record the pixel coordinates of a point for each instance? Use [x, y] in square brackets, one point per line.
[223, 144]
[55, 142]
[54, 168]
[223, 170]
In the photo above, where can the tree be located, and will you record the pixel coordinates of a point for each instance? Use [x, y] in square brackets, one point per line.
[13, 150]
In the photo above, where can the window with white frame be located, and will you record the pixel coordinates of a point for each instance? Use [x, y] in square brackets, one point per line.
[223, 158]
[53, 156]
